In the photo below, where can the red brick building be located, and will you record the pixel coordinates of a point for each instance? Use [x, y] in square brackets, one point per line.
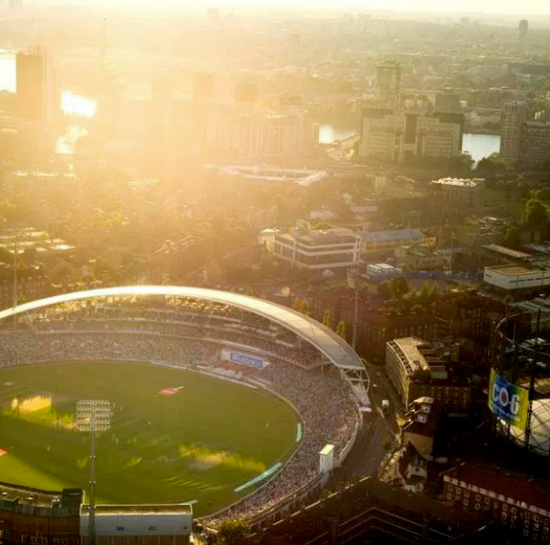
[520, 504]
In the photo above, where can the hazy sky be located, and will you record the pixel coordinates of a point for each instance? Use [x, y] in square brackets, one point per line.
[483, 6]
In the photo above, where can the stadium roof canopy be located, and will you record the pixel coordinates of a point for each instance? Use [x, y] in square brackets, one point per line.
[323, 338]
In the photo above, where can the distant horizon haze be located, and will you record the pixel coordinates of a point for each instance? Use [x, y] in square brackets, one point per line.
[497, 7]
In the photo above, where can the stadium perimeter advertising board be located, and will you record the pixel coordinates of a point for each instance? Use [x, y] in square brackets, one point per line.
[243, 359]
[508, 401]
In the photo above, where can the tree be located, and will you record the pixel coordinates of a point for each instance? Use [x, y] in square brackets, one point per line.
[396, 288]
[512, 238]
[233, 532]
[489, 167]
[418, 309]
[387, 444]
[327, 318]
[341, 329]
[424, 292]
[543, 194]
[399, 287]
[304, 307]
[536, 214]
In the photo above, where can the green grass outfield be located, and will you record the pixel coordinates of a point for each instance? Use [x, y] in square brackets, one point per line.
[198, 444]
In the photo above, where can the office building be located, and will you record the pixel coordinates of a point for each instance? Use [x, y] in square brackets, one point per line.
[237, 132]
[383, 243]
[417, 369]
[523, 143]
[523, 29]
[513, 117]
[318, 250]
[535, 144]
[37, 93]
[388, 83]
[519, 502]
[400, 137]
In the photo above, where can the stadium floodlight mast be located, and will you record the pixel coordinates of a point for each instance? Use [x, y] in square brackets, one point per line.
[93, 415]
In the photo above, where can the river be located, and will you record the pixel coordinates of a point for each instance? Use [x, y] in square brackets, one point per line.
[477, 145]
[329, 134]
[480, 145]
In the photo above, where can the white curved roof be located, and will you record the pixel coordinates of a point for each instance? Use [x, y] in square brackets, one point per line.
[320, 336]
[539, 437]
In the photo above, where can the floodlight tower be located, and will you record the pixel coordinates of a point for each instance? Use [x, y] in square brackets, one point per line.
[352, 277]
[93, 415]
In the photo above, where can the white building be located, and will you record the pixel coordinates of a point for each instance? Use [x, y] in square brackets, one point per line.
[318, 250]
[138, 524]
[512, 277]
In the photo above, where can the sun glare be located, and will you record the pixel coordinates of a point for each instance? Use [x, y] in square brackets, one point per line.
[77, 105]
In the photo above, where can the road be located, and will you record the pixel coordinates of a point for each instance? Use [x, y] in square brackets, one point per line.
[368, 451]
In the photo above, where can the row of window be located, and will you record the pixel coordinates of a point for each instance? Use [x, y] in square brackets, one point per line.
[35, 540]
[505, 507]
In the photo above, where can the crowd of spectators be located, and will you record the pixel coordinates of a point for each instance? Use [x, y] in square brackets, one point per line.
[324, 401]
[227, 326]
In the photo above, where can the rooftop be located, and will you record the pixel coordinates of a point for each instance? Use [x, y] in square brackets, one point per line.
[408, 350]
[459, 182]
[272, 174]
[423, 417]
[139, 510]
[392, 236]
[421, 250]
[506, 251]
[512, 270]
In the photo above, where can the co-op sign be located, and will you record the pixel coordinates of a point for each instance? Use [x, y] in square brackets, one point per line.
[508, 401]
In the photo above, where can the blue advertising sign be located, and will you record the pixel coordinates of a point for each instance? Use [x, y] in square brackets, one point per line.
[243, 359]
[508, 401]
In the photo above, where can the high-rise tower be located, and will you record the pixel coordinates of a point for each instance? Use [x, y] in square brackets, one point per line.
[523, 29]
[388, 83]
[514, 115]
[38, 96]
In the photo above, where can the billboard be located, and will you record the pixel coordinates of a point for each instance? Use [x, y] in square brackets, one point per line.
[508, 401]
[243, 359]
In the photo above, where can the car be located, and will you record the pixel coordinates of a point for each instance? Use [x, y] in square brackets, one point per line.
[385, 406]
